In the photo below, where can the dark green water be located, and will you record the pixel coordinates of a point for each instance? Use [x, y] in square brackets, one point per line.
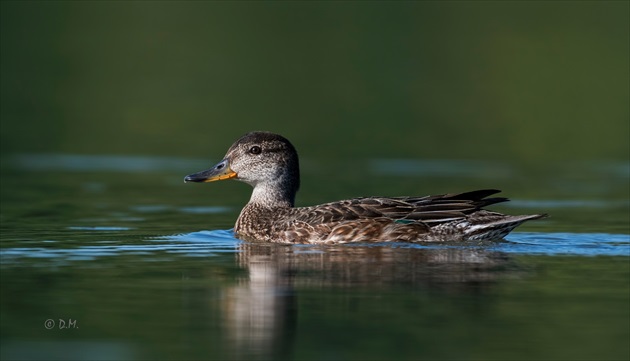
[138, 265]
[105, 106]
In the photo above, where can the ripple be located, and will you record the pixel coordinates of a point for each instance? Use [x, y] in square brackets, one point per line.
[197, 244]
[580, 244]
[205, 210]
[99, 228]
[98, 163]
[212, 243]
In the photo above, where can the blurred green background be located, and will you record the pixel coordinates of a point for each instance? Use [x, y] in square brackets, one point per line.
[527, 81]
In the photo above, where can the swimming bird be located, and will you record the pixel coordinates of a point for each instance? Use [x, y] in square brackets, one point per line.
[269, 163]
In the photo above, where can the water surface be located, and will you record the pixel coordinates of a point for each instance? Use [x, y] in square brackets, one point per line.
[102, 259]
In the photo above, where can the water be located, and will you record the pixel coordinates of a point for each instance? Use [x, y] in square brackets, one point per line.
[104, 259]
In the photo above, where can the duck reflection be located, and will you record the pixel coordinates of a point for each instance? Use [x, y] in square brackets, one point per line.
[260, 312]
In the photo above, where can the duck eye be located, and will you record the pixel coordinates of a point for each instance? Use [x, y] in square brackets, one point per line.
[255, 150]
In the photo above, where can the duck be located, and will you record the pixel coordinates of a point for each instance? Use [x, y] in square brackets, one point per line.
[269, 163]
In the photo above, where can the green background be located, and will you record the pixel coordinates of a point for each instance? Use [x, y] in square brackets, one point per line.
[526, 81]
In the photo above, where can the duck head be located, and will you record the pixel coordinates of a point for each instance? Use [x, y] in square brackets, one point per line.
[266, 161]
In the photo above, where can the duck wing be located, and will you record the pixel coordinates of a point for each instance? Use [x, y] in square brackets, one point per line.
[449, 207]
[456, 216]
[429, 209]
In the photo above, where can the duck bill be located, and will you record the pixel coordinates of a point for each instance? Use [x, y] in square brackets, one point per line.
[220, 171]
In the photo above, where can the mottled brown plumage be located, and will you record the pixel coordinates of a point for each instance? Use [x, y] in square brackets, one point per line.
[270, 164]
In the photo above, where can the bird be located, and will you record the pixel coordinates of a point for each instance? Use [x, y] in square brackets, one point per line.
[269, 163]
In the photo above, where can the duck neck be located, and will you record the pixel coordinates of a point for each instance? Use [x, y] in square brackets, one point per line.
[273, 196]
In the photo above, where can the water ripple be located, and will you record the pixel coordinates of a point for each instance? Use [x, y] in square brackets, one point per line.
[580, 244]
[211, 243]
[99, 163]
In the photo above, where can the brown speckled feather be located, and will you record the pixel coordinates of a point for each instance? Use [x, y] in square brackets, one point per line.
[270, 164]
